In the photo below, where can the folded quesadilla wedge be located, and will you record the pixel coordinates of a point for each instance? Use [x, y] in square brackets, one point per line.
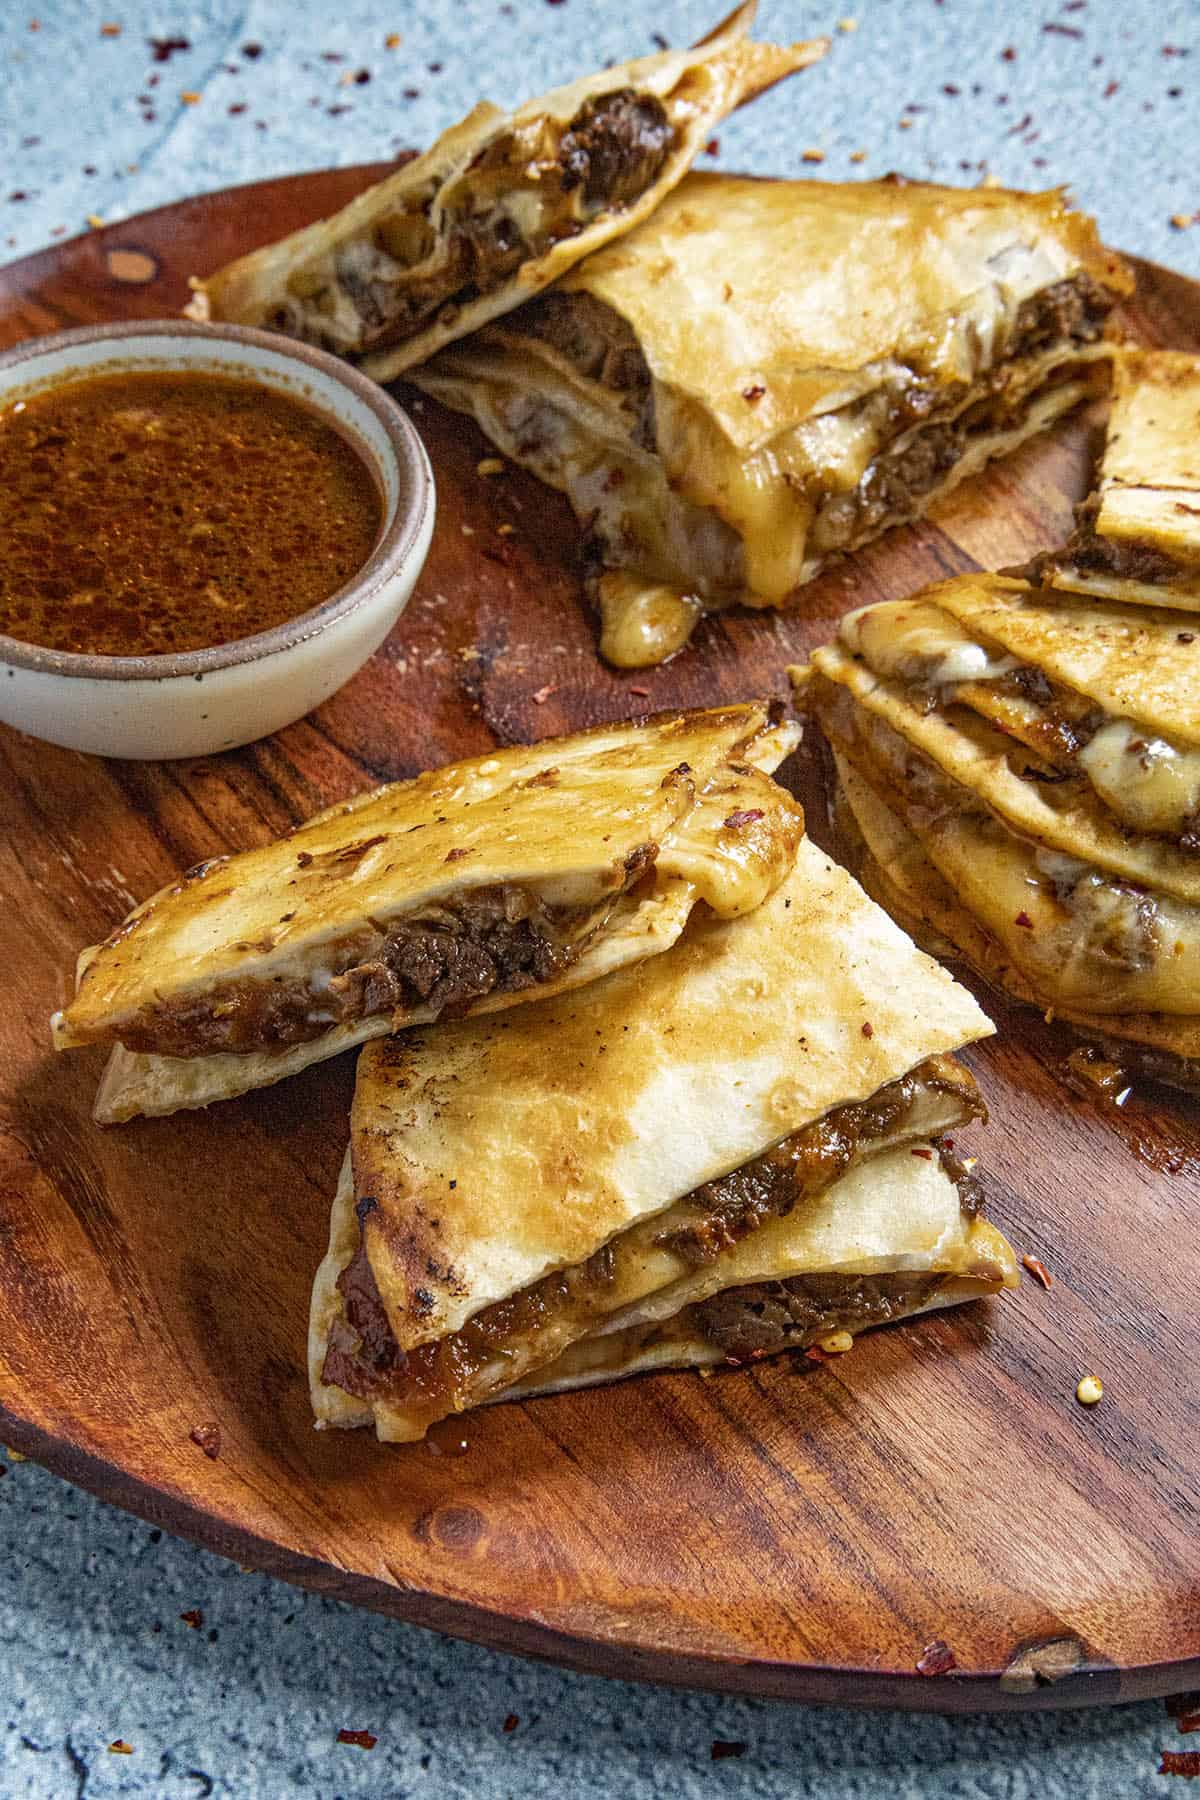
[515, 1184]
[865, 346]
[891, 863]
[896, 1236]
[1137, 538]
[502, 205]
[473, 887]
[1025, 767]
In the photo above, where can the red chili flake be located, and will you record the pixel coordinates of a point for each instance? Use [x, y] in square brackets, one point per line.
[713, 147]
[936, 1659]
[435, 68]
[1186, 1709]
[544, 693]
[1071, 31]
[119, 1747]
[641, 692]
[1024, 921]
[412, 93]
[1185, 637]
[165, 48]
[815, 1354]
[925, 1155]
[208, 1437]
[1008, 54]
[510, 1723]
[726, 1747]
[457, 855]
[868, 1030]
[18, 194]
[193, 1618]
[335, 56]
[335, 112]
[1180, 1762]
[753, 393]
[613, 479]
[1174, 50]
[949, 88]
[364, 1740]
[239, 106]
[1039, 1271]
[252, 52]
[555, 2]
[110, 31]
[361, 77]
[1110, 90]
[736, 820]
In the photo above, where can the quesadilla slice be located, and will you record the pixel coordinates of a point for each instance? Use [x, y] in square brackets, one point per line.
[474, 887]
[1024, 771]
[517, 1184]
[899, 1235]
[864, 347]
[503, 204]
[1137, 538]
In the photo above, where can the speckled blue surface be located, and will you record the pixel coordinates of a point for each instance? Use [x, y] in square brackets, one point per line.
[1100, 95]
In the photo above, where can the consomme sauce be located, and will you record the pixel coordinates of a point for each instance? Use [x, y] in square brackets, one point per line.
[148, 513]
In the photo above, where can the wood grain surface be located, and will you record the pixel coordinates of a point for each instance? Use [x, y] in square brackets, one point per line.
[792, 1530]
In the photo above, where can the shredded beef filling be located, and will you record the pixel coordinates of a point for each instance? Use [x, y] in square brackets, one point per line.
[363, 1357]
[770, 1316]
[1117, 557]
[611, 152]
[493, 939]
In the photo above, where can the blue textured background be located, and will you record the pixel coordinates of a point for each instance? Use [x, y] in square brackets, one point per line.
[1101, 95]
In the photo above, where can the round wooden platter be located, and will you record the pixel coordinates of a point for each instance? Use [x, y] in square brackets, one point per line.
[794, 1530]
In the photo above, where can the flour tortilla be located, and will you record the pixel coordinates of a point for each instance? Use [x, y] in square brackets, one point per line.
[608, 790]
[975, 755]
[496, 1152]
[301, 284]
[1149, 492]
[897, 871]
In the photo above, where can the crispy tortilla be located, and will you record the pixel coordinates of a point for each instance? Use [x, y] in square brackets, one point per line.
[893, 1216]
[492, 1154]
[866, 345]
[1137, 538]
[898, 873]
[585, 805]
[1071, 819]
[501, 205]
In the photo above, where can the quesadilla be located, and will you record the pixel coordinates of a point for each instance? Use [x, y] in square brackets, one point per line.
[473, 887]
[585, 1177]
[1023, 769]
[503, 204]
[1137, 538]
[765, 374]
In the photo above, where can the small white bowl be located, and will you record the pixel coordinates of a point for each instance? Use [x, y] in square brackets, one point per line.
[207, 700]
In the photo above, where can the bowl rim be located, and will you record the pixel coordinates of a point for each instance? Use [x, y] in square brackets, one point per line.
[394, 548]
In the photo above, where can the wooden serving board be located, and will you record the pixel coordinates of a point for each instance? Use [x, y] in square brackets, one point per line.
[795, 1530]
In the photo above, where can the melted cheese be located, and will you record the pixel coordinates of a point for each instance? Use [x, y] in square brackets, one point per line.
[1079, 937]
[915, 641]
[643, 622]
[1151, 783]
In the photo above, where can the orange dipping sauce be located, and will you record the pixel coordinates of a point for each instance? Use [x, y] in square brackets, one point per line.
[146, 514]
